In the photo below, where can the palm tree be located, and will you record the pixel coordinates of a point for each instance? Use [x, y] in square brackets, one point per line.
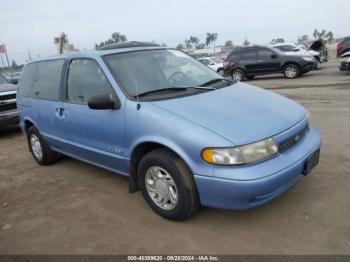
[62, 39]
[211, 38]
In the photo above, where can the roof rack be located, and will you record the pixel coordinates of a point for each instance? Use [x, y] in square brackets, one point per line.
[126, 45]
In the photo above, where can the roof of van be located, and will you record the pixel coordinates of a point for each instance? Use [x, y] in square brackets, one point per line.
[100, 52]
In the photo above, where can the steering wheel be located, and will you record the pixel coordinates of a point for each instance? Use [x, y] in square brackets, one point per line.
[176, 77]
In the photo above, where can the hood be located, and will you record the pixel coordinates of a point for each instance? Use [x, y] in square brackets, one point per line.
[7, 87]
[241, 113]
[316, 45]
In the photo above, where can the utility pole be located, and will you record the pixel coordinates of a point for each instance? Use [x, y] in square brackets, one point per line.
[29, 56]
[2, 61]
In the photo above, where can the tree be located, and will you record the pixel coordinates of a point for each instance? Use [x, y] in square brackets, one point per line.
[200, 46]
[228, 44]
[211, 38]
[246, 42]
[163, 45]
[61, 40]
[303, 40]
[188, 44]
[277, 41]
[14, 65]
[115, 38]
[180, 46]
[328, 37]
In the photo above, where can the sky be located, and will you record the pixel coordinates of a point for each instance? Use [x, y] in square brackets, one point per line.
[32, 25]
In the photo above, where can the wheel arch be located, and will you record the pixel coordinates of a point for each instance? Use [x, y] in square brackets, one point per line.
[144, 147]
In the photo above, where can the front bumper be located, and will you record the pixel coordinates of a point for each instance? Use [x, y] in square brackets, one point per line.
[9, 118]
[308, 66]
[222, 192]
[344, 66]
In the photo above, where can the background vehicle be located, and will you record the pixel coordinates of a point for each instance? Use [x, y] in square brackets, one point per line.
[345, 62]
[343, 45]
[215, 63]
[8, 108]
[143, 112]
[248, 62]
[291, 49]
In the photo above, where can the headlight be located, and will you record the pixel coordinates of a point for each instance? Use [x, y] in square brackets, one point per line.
[241, 154]
[308, 58]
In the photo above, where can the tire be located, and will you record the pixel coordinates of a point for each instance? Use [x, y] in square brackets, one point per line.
[220, 71]
[250, 77]
[171, 175]
[291, 71]
[40, 150]
[238, 75]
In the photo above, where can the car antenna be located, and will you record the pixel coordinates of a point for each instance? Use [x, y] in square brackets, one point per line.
[137, 98]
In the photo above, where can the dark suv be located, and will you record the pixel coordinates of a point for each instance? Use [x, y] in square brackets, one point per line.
[343, 46]
[8, 108]
[248, 62]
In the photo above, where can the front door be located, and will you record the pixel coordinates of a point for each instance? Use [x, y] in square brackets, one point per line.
[268, 61]
[95, 136]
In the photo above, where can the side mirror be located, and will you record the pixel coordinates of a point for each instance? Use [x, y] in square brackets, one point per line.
[102, 102]
[14, 81]
[273, 56]
[212, 64]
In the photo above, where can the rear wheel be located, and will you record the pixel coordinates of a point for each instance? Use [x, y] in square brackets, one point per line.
[221, 71]
[167, 185]
[40, 150]
[291, 71]
[237, 75]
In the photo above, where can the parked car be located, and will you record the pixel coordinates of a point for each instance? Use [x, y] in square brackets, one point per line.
[8, 109]
[185, 137]
[291, 49]
[343, 45]
[345, 62]
[215, 63]
[248, 62]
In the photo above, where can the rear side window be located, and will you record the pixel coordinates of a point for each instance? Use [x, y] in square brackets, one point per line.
[248, 55]
[265, 52]
[27, 79]
[47, 80]
[86, 79]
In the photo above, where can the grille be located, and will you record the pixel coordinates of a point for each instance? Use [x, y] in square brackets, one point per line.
[7, 97]
[293, 140]
[7, 107]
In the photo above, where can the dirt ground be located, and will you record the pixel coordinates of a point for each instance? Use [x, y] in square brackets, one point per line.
[75, 208]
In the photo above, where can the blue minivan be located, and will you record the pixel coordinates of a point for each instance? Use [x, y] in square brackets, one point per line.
[183, 134]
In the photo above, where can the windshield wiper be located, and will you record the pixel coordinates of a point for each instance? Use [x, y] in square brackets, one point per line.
[174, 89]
[169, 89]
[215, 80]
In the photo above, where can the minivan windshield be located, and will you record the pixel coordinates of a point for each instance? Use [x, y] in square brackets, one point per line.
[150, 70]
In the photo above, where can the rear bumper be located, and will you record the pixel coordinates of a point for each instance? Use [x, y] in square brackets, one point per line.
[244, 194]
[9, 118]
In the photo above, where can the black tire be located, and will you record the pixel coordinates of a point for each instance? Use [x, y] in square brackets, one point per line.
[220, 71]
[188, 200]
[250, 77]
[238, 75]
[48, 156]
[294, 68]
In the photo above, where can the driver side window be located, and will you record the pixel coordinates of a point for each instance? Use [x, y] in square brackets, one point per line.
[86, 79]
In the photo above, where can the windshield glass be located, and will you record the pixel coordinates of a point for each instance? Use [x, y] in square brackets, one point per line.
[217, 60]
[3, 80]
[144, 71]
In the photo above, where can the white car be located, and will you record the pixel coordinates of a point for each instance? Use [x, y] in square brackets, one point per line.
[292, 49]
[214, 62]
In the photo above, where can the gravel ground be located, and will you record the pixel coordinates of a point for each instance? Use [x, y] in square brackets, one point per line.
[75, 208]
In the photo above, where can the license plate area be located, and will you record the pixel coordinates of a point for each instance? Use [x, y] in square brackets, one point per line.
[312, 162]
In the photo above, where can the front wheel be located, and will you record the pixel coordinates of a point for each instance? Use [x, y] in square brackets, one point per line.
[291, 71]
[238, 75]
[167, 185]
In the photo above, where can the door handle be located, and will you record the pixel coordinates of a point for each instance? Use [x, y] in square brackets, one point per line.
[260, 60]
[59, 111]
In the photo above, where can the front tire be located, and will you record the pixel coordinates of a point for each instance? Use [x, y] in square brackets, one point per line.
[238, 75]
[167, 185]
[291, 71]
[40, 150]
